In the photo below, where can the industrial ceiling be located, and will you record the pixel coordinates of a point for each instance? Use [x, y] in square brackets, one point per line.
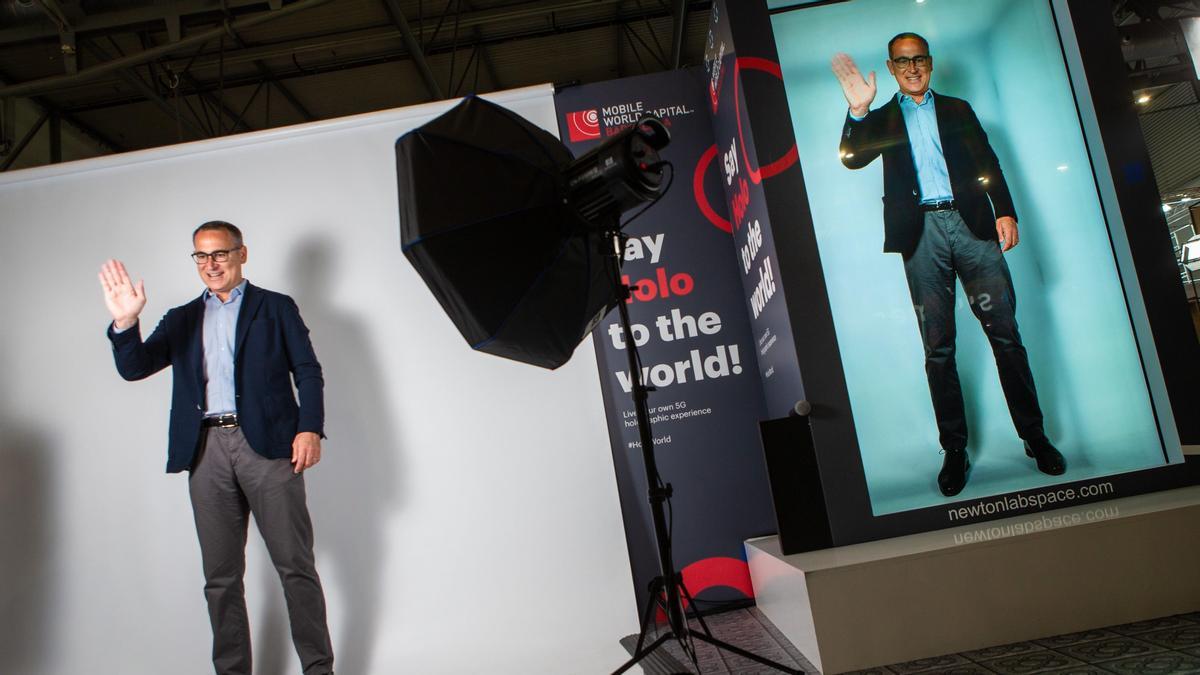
[131, 74]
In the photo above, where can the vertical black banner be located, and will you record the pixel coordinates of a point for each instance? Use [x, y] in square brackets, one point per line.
[776, 243]
[748, 167]
[694, 341]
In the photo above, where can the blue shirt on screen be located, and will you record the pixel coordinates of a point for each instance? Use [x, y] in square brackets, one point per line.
[220, 320]
[920, 119]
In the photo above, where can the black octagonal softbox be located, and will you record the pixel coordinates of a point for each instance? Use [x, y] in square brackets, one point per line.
[486, 219]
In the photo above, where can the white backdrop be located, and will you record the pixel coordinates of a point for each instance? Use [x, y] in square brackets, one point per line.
[466, 510]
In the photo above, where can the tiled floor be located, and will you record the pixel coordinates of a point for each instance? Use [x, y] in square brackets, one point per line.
[1167, 645]
[1160, 646]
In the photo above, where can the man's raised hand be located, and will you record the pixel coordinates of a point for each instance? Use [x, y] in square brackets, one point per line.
[124, 300]
[859, 91]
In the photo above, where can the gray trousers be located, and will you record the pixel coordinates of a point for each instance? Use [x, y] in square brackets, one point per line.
[228, 482]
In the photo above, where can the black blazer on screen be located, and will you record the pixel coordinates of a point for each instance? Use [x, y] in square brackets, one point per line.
[980, 191]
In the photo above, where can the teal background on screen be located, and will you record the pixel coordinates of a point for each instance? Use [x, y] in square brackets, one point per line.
[1004, 58]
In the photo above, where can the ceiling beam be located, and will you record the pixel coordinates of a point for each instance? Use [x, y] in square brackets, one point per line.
[487, 18]
[332, 42]
[618, 39]
[177, 78]
[55, 138]
[678, 19]
[218, 105]
[1163, 75]
[20, 146]
[632, 34]
[66, 34]
[43, 105]
[51, 83]
[148, 92]
[379, 58]
[126, 19]
[414, 49]
[55, 12]
[265, 72]
[268, 76]
[390, 55]
[485, 56]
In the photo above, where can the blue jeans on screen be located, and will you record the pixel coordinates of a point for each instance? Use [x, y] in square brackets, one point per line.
[947, 249]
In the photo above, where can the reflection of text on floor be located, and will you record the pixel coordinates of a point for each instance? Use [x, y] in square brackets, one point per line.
[1037, 524]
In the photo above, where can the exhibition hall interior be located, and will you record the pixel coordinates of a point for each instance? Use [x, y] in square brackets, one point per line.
[600, 336]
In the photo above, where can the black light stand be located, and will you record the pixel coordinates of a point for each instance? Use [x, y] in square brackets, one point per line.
[521, 178]
[659, 493]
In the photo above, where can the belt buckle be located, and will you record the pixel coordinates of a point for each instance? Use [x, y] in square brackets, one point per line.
[223, 421]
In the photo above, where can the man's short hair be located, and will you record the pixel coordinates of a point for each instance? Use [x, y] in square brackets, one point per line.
[214, 225]
[907, 36]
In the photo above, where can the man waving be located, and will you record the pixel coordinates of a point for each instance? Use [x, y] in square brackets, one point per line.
[947, 210]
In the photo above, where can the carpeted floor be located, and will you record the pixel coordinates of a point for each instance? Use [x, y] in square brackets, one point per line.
[1168, 645]
[744, 628]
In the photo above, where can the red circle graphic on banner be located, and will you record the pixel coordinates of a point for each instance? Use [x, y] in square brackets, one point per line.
[779, 165]
[710, 573]
[698, 191]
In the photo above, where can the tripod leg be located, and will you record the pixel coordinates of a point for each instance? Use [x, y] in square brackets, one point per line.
[647, 615]
[692, 602]
[685, 641]
[657, 592]
[720, 644]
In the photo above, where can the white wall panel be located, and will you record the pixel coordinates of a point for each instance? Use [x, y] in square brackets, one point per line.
[466, 510]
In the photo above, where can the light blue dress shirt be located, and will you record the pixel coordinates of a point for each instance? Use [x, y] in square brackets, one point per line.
[933, 178]
[220, 321]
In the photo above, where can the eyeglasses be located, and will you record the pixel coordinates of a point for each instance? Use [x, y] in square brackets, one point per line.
[921, 61]
[221, 256]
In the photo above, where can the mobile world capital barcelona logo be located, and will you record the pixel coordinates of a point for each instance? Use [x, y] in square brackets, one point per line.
[583, 125]
[609, 120]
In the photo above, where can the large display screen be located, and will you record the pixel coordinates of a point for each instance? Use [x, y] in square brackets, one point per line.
[1005, 60]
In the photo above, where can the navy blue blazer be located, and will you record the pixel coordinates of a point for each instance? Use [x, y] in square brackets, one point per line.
[969, 158]
[271, 349]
